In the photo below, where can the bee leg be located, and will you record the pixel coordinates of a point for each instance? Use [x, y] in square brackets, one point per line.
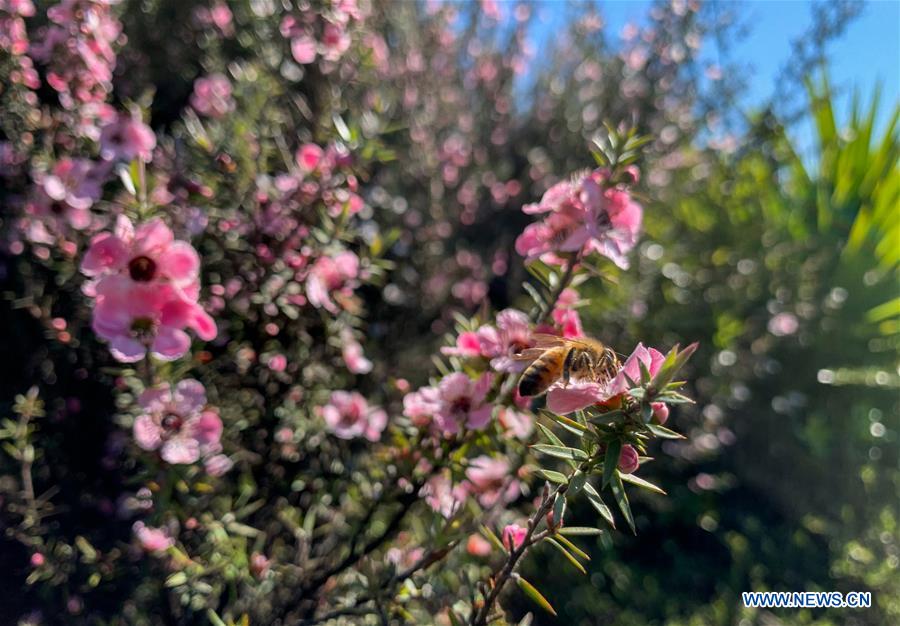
[567, 367]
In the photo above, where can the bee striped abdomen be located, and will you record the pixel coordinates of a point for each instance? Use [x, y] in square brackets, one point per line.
[542, 372]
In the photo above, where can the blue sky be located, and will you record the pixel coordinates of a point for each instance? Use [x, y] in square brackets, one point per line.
[867, 54]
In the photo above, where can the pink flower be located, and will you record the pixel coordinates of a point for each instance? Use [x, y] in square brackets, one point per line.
[421, 405]
[348, 415]
[462, 403]
[335, 42]
[277, 362]
[177, 423]
[134, 319]
[146, 254]
[468, 344]
[442, 495]
[309, 156]
[580, 394]
[127, 138]
[491, 481]
[329, 275]
[516, 423]
[152, 539]
[514, 536]
[303, 49]
[212, 96]
[37, 559]
[582, 217]
[628, 459]
[512, 336]
[565, 317]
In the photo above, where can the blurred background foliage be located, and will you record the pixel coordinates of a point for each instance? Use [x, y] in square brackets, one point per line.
[785, 269]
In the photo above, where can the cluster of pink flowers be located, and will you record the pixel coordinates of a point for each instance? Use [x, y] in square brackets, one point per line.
[146, 285]
[581, 216]
[177, 422]
[321, 36]
[14, 40]
[348, 415]
[212, 96]
[77, 48]
[63, 197]
[457, 402]
[487, 479]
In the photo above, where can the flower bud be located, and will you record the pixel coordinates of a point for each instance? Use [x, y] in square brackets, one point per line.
[660, 412]
[628, 459]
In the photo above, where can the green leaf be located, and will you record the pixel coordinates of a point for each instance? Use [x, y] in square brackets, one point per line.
[569, 424]
[597, 502]
[640, 482]
[568, 555]
[534, 293]
[535, 595]
[550, 435]
[214, 619]
[579, 531]
[573, 548]
[664, 433]
[559, 509]
[611, 460]
[622, 500]
[561, 452]
[576, 484]
[177, 579]
[554, 477]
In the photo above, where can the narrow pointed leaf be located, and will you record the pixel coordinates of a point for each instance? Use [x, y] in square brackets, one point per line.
[611, 460]
[622, 500]
[535, 595]
[568, 555]
[597, 502]
[554, 477]
[664, 433]
[640, 482]
[579, 531]
[571, 547]
[561, 452]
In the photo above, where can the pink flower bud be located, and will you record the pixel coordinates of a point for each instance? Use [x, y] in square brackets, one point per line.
[660, 412]
[628, 459]
[514, 536]
[37, 559]
[259, 564]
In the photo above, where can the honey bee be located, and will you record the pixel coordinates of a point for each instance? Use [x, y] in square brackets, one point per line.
[554, 358]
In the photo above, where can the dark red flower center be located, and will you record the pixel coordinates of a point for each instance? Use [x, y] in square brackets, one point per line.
[462, 405]
[142, 269]
[57, 208]
[172, 422]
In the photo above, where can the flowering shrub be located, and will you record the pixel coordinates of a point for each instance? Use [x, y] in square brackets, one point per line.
[223, 276]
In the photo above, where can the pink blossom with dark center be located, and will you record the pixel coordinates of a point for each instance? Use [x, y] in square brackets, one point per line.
[127, 138]
[462, 403]
[146, 254]
[138, 318]
[581, 217]
[177, 423]
[329, 275]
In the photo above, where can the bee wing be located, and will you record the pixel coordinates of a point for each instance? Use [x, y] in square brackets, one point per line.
[529, 354]
[544, 340]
